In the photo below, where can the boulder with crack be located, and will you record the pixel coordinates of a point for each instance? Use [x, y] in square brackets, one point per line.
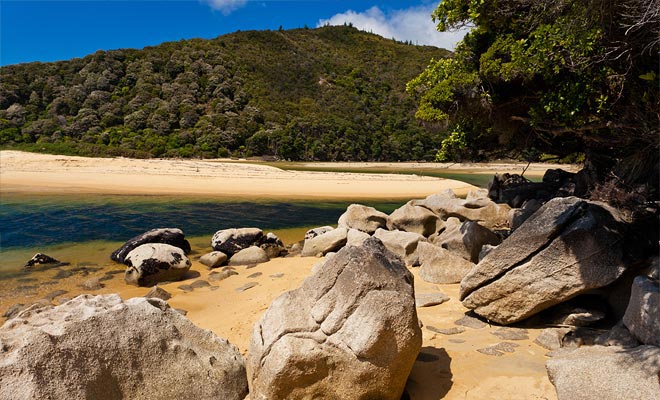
[101, 347]
[349, 332]
[566, 248]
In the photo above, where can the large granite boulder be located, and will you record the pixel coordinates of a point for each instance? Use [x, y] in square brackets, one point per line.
[642, 316]
[233, 240]
[566, 248]
[466, 240]
[438, 265]
[100, 347]
[481, 210]
[171, 236]
[606, 373]
[403, 244]
[363, 218]
[329, 241]
[151, 263]
[349, 332]
[416, 219]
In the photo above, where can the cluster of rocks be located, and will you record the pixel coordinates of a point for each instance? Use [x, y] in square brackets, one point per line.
[161, 255]
[354, 318]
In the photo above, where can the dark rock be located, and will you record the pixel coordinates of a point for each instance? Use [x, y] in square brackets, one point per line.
[597, 372]
[568, 247]
[231, 241]
[272, 245]
[106, 278]
[171, 236]
[350, 331]
[40, 259]
[152, 263]
[158, 293]
[619, 335]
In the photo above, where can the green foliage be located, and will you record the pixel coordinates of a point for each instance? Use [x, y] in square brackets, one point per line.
[559, 76]
[453, 145]
[332, 93]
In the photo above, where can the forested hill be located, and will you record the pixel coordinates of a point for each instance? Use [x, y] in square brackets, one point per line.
[332, 93]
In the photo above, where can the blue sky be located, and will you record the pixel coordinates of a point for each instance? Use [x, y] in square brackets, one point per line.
[50, 30]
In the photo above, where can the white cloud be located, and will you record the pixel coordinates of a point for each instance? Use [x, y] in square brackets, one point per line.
[412, 24]
[225, 6]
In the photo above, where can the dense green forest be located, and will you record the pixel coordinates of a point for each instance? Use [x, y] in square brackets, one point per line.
[557, 76]
[332, 93]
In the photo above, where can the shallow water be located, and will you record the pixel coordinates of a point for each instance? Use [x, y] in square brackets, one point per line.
[87, 228]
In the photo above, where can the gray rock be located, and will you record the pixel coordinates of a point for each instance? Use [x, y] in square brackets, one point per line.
[566, 248]
[356, 238]
[642, 316]
[578, 317]
[151, 263]
[403, 244]
[248, 256]
[325, 243]
[430, 299]
[485, 249]
[15, 309]
[511, 333]
[213, 259]
[100, 347]
[467, 240]
[354, 318]
[171, 236]
[519, 215]
[222, 275]
[247, 286]
[551, 338]
[598, 373]
[446, 331]
[255, 275]
[186, 288]
[363, 218]
[470, 322]
[481, 210]
[314, 232]
[476, 194]
[159, 293]
[499, 349]
[438, 265]
[92, 284]
[231, 241]
[50, 296]
[198, 284]
[619, 335]
[416, 219]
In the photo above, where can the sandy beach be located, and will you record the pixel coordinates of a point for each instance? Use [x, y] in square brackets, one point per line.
[449, 367]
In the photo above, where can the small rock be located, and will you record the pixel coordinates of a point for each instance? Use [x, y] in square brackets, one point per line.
[213, 259]
[115, 272]
[186, 288]
[249, 256]
[199, 284]
[256, 274]
[247, 286]
[43, 259]
[506, 347]
[214, 288]
[92, 284]
[106, 278]
[490, 351]
[471, 322]
[14, 310]
[457, 340]
[446, 331]
[50, 296]
[278, 275]
[511, 334]
[221, 275]
[619, 335]
[63, 274]
[551, 338]
[430, 299]
[158, 293]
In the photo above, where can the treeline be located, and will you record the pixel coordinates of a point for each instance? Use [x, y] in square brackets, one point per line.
[333, 93]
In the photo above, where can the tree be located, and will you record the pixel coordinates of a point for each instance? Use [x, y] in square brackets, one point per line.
[555, 76]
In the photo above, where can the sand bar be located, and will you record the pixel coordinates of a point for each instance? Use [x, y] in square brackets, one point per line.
[22, 172]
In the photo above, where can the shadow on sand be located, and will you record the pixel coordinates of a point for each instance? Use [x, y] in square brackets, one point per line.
[431, 377]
